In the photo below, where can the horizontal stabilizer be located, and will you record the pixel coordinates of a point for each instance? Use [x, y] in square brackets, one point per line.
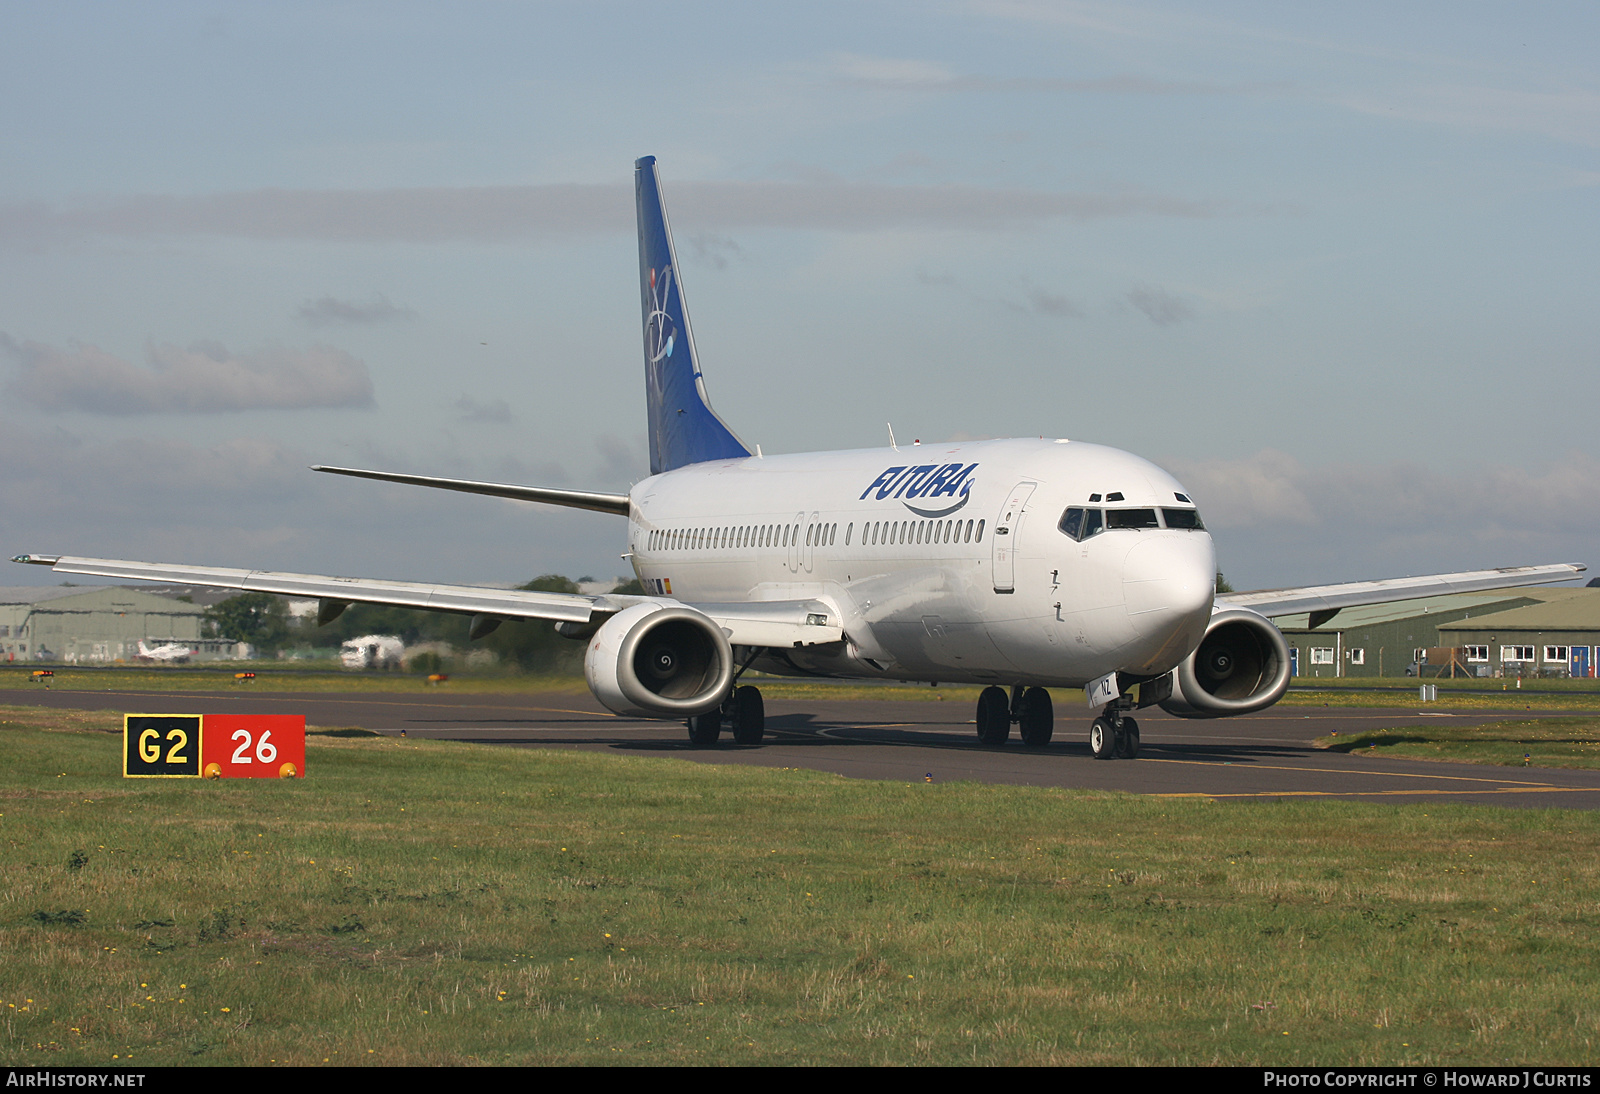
[1332, 598]
[572, 499]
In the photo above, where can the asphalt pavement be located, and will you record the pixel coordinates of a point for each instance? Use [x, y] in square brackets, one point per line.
[1259, 757]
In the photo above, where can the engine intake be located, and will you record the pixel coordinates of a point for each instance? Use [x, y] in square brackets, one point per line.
[1241, 666]
[659, 661]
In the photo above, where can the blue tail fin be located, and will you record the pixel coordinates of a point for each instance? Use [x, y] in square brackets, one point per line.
[683, 427]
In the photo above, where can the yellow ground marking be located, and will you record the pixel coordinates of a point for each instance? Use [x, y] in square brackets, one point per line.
[1388, 793]
[1339, 771]
[1501, 786]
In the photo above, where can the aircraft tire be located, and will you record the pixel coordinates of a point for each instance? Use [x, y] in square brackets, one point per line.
[1038, 718]
[1128, 739]
[1103, 738]
[749, 716]
[994, 716]
[704, 729]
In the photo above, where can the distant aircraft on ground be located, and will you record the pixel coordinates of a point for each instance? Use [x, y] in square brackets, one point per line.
[371, 651]
[173, 652]
[1015, 564]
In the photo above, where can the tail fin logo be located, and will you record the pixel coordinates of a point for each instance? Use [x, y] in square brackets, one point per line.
[659, 330]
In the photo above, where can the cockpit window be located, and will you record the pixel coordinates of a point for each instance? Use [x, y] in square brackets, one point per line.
[1131, 518]
[1080, 523]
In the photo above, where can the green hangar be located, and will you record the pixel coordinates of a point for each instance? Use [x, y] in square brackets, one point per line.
[1506, 632]
[77, 623]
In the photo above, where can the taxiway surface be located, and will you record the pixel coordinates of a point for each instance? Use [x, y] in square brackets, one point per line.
[1258, 757]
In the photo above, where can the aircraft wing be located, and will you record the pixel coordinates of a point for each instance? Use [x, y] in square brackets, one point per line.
[1323, 602]
[786, 623]
[511, 603]
[780, 623]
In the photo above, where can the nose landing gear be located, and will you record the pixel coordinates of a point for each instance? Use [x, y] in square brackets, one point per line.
[1115, 734]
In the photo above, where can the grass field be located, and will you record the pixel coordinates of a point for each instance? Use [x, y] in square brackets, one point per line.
[1474, 694]
[419, 902]
[1536, 742]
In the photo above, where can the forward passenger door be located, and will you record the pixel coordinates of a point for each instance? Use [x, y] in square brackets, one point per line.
[1006, 530]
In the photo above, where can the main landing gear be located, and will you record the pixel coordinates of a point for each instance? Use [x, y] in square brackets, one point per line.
[1029, 708]
[744, 713]
[743, 710]
[1114, 735]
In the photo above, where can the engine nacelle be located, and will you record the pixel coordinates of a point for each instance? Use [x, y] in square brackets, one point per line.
[1241, 666]
[659, 661]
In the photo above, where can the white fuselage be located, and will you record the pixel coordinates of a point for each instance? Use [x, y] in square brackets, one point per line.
[941, 561]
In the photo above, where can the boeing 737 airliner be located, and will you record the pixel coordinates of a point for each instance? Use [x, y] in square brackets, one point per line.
[1022, 565]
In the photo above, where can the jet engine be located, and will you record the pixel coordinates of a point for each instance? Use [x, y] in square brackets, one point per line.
[1241, 666]
[659, 661]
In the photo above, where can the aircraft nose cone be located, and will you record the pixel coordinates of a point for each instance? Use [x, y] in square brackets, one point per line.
[1168, 585]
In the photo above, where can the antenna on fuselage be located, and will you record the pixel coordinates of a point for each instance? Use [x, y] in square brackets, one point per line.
[891, 436]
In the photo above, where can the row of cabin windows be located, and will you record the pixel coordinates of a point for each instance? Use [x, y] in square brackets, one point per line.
[922, 531]
[816, 535]
[695, 539]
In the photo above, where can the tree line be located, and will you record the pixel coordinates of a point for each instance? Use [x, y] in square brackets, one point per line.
[263, 620]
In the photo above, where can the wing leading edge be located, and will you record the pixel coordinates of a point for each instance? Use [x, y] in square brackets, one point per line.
[511, 603]
[1327, 600]
[786, 623]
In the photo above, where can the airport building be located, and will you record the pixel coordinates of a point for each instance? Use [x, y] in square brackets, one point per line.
[1555, 636]
[67, 623]
[1505, 632]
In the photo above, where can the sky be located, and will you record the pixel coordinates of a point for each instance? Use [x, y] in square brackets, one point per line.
[1334, 266]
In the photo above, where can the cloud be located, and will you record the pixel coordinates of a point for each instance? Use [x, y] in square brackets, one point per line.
[890, 70]
[329, 310]
[497, 214]
[1268, 487]
[916, 75]
[714, 250]
[204, 378]
[1159, 306]
[1279, 522]
[493, 412]
[621, 464]
[1570, 115]
[250, 501]
[1049, 304]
